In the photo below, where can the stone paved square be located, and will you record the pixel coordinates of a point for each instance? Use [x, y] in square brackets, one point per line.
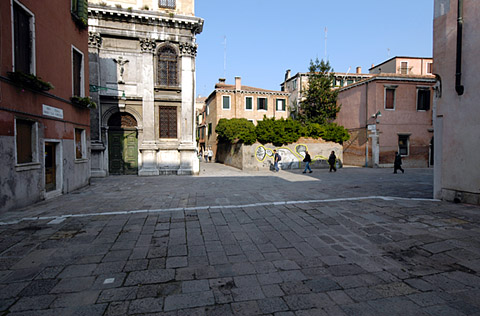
[228, 242]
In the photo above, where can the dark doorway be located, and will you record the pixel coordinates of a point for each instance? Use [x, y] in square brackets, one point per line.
[122, 144]
[50, 167]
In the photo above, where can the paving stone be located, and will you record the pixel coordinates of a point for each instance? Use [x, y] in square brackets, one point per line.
[182, 301]
[195, 286]
[272, 305]
[247, 293]
[73, 285]
[150, 276]
[176, 262]
[39, 287]
[117, 309]
[246, 308]
[118, 294]
[76, 299]
[32, 303]
[145, 305]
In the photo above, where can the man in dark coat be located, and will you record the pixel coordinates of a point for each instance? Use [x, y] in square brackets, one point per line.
[307, 161]
[331, 161]
[397, 165]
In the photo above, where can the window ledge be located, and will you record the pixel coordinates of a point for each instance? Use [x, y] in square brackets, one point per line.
[27, 166]
[82, 160]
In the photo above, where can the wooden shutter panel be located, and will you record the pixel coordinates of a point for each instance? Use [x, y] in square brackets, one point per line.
[23, 40]
[82, 9]
[24, 141]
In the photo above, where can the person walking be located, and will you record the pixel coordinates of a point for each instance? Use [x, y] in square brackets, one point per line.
[331, 161]
[307, 160]
[205, 154]
[210, 154]
[276, 159]
[397, 165]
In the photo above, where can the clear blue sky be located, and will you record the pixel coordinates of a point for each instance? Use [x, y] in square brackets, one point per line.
[266, 37]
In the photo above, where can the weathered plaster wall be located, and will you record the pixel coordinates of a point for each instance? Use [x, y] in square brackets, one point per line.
[260, 157]
[457, 132]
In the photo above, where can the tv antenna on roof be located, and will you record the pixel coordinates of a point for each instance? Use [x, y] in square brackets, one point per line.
[326, 30]
[224, 56]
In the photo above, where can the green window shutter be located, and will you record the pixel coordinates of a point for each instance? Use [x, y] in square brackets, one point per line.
[266, 104]
[258, 103]
[83, 9]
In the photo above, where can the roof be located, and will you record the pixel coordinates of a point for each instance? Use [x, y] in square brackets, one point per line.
[398, 57]
[224, 86]
[393, 77]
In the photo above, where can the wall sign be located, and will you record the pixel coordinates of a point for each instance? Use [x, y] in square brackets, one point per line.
[53, 112]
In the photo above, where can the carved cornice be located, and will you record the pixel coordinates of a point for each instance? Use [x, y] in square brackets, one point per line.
[147, 45]
[188, 49]
[94, 40]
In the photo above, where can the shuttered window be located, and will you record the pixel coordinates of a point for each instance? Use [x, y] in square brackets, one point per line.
[261, 103]
[23, 39]
[26, 140]
[248, 103]
[80, 8]
[168, 122]
[280, 104]
[390, 98]
[167, 67]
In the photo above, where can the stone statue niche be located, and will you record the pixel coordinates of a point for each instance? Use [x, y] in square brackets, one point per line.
[121, 68]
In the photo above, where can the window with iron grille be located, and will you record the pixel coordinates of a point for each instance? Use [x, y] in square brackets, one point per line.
[403, 144]
[168, 122]
[77, 73]
[423, 99]
[167, 67]
[23, 39]
[26, 141]
[169, 4]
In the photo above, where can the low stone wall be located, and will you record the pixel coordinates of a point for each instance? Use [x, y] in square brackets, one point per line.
[260, 157]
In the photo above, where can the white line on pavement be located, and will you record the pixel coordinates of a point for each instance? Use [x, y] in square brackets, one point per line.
[61, 218]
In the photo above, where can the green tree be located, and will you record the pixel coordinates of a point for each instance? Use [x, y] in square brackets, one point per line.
[320, 103]
[236, 130]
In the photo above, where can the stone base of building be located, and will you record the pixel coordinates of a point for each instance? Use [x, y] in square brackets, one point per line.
[460, 196]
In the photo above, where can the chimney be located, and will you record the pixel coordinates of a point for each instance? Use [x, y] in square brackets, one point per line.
[238, 83]
[221, 80]
[287, 74]
[359, 70]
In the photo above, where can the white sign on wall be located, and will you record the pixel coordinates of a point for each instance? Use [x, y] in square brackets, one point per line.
[372, 127]
[53, 112]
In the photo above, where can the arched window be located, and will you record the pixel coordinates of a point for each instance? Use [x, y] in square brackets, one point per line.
[167, 67]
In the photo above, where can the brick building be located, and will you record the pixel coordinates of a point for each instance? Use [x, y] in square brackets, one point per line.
[44, 136]
[237, 101]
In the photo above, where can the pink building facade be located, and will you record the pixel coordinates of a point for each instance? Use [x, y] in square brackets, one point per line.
[457, 113]
[385, 114]
[44, 133]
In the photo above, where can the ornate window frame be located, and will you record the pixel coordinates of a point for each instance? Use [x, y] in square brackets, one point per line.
[169, 85]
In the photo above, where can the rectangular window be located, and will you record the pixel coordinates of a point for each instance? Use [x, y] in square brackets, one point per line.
[390, 98]
[80, 144]
[423, 99]
[168, 121]
[209, 129]
[169, 4]
[429, 68]
[280, 104]
[262, 104]
[295, 84]
[77, 73]
[403, 144]
[404, 68]
[23, 38]
[248, 103]
[26, 141]
[226, 102]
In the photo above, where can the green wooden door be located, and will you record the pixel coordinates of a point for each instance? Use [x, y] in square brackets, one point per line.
[123, 152]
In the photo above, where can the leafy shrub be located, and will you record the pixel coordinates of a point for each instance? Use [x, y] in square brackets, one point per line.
[236, 130]
[278, 132]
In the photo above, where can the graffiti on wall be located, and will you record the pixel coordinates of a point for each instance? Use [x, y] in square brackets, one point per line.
[291, 159]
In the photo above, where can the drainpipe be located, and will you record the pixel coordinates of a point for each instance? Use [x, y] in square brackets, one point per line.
[458, 74]
[366, 125]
